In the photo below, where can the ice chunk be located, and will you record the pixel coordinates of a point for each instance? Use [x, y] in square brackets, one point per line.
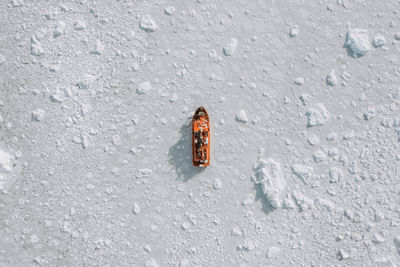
[230, 47]
[236, 232]
[170, 10]
[60, 95]
[79, 25]
[294, 31]
[317, 115]
[17, 3]
[37, 114]
[147, 24]
[331, 79]
[379, 40]
[397, 243]
[59, 29]
[6, 161]
[357, 42]
[268, 174]
[335, 175]
[241, 116]
[135, 208]
[97, 48]
[217, 184]
[2, 59]
[303, 172]
[319, 155]
[273, 252]
[299, 80]
[143, 173]
[36, 48]
[144, 88]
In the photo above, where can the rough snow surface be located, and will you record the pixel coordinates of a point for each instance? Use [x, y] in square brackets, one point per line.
[96, 104]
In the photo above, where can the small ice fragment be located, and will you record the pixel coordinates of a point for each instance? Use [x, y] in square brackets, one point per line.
[5, 162]
[358, 43]
[135, 208]
[170, 10]
[299, 80]
[397, 243]
[36, 48]
[37, 114]
[335, 175]
[241, 116]
[60, 95]
[97, 48]
[379, 40]
[217, 184]
[144, 88]
[230, 47]
[331, 79]
[2, 59]
[303, 172]
[273, 252]
[143, 173]
[294, 31]
[236, 232]
[313, 139]
[147, 24]
[17, 3]
[59, 29]
[79, 25]
[317, 115]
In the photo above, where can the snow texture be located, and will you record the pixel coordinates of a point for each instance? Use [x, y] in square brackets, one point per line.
[96, 104]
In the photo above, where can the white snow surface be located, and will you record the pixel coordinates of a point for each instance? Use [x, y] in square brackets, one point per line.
[95, 133]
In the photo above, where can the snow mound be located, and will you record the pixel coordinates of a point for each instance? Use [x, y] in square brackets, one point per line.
[358, 43]
[268, 174]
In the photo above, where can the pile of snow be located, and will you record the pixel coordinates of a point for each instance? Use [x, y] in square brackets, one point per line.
[268, 174]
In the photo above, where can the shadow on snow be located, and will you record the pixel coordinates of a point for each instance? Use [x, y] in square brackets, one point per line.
[180, 155]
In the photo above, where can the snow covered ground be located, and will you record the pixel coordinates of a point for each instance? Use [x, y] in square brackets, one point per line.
[95, 142]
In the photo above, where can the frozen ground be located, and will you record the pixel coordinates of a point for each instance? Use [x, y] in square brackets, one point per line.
[95, 164]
